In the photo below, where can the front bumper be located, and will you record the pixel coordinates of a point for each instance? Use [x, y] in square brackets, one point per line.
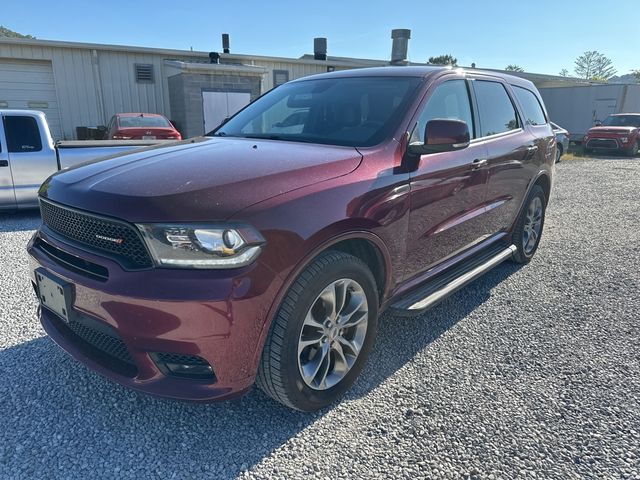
[215, 315]
[608, 143]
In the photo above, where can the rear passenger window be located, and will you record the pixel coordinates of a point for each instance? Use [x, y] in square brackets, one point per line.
[497, 113]
[22, 134]
[533, 113]
[449, 101]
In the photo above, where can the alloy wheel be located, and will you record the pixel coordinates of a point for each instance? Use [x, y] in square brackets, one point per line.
[532, 225]
[333, 334]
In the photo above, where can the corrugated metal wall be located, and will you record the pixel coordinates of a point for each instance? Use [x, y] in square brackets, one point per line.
[92, 85]
[121, 92]
[74, 82]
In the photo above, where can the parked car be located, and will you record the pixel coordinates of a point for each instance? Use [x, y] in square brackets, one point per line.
[617, 133]
[562, 140]
[28, 155]
[141, 126]
[268, 257]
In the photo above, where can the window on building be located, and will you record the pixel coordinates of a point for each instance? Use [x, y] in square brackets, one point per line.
[533, 113]
[497, 113]
[144, 73]
[449, 101]
[22, 134]
[280, 77]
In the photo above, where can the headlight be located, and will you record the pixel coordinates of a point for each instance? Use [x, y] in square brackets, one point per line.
[202, 246]
[624, 139]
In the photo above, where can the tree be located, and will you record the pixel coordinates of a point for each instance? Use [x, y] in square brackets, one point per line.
[514, 68]
[594, 65]
[444, 60]
[564, 72]
[636, 73]
[5, 32]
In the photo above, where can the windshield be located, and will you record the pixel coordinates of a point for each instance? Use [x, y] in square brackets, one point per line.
[622, 121]
[142, 122]
[356, 111]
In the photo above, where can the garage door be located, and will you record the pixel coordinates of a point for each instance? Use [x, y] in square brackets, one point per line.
[29, 84]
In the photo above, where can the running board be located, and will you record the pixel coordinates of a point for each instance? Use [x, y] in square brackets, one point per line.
[448, 282]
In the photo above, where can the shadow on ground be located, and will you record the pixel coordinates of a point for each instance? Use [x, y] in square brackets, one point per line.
[60, 419]
[19, 221]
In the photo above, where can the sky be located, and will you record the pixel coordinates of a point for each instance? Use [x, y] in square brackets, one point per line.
[541, 36]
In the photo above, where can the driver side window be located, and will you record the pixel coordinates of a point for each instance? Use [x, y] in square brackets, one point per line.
[449, 101]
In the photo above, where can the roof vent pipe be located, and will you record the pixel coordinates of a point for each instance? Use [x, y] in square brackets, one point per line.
[225, 43]
[400, 45]
[320, 48]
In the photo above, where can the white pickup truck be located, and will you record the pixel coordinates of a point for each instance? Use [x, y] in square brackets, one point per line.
[28, 155]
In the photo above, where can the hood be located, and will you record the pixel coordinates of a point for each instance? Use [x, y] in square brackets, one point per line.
[207, 179]
[611, 130]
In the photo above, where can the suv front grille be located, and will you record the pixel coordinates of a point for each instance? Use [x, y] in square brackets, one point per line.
[115, 238]
[602, 143]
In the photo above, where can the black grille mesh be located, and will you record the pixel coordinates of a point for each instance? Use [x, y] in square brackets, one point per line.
[181, 359]
[87, 230]
[604, 143]
[106, 343]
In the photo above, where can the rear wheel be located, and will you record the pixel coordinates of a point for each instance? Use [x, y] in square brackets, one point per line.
[322, 334]
[558, 153]
[528, 231]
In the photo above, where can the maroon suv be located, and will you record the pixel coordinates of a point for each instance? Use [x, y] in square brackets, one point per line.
[269, 253]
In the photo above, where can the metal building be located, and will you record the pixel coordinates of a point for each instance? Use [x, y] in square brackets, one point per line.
[579, 108]
[83, 84]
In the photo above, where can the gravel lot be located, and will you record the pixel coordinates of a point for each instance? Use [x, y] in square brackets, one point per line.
[530, 371]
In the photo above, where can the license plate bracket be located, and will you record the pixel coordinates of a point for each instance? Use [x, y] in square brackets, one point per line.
[148, 137]
[55, 294]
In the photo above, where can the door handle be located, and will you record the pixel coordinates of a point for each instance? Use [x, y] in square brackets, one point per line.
[531, 151]
[4, 163]
[479, 162]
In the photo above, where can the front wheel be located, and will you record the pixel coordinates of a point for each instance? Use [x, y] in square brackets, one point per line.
[322, 334]
[633, 151]
[558, 154]
[528, 230]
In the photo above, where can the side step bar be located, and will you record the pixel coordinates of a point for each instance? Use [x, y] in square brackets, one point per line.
[446, 283]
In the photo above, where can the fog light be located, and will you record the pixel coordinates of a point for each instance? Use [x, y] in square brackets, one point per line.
[189, 370]
[185, 366]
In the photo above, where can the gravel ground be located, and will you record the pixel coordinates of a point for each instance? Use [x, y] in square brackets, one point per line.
[528, 372]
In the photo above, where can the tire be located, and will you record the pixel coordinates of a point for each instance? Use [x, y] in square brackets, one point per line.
[526, 246]
[283, 359]
[558, 153]
[587, 151]
[633, 151]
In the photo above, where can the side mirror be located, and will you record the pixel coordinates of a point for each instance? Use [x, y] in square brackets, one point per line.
[442, 135]
[598, 123]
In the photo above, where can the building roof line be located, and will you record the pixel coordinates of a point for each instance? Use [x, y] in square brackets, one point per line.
[175, 52]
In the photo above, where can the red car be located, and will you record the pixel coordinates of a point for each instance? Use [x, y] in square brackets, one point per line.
[268, 255]
[141, 126]
[618, 133]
